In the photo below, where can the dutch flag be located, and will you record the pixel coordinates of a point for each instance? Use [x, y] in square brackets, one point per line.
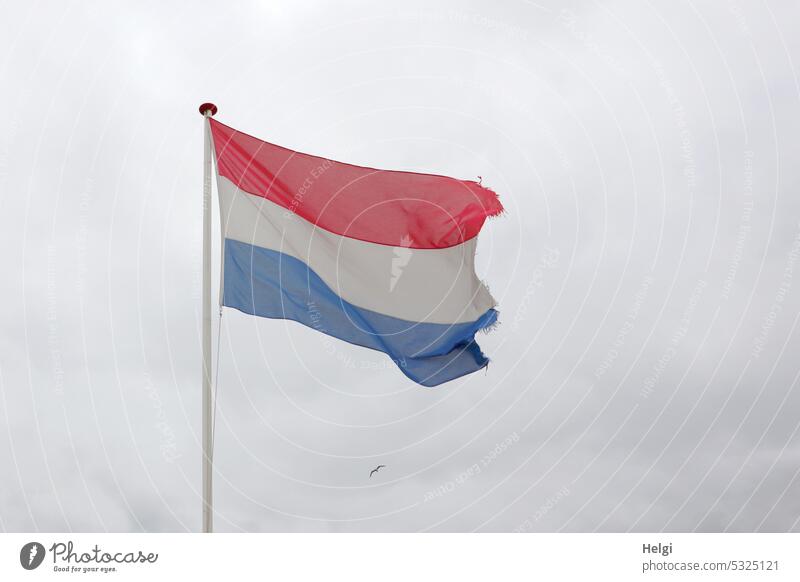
[380, 259]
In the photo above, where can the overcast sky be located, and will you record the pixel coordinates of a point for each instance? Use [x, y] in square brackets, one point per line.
[645, 372]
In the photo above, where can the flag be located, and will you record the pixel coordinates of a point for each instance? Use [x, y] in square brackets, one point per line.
[381, 259]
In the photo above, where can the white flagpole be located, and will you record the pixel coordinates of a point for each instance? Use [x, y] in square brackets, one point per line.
[207, 110]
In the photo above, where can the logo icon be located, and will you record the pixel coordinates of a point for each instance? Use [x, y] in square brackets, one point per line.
[31, 555]
[401, 258]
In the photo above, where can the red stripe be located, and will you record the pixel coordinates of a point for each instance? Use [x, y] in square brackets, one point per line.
[393, 208]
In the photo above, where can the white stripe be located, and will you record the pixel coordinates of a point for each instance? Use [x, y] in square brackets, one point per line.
[425, 285]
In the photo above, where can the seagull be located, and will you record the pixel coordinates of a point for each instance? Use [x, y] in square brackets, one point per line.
[375, 470]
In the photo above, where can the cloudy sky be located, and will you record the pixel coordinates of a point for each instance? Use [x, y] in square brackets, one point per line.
[645, 372]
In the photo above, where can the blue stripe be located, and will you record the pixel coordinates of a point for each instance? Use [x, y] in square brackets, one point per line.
[267, 283]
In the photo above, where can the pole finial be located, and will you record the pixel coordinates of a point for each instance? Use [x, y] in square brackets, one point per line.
[208, 107]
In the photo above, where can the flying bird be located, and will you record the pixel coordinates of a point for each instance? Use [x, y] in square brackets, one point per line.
[375, 470]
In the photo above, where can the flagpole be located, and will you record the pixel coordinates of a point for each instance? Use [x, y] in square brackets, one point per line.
[207, 110]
